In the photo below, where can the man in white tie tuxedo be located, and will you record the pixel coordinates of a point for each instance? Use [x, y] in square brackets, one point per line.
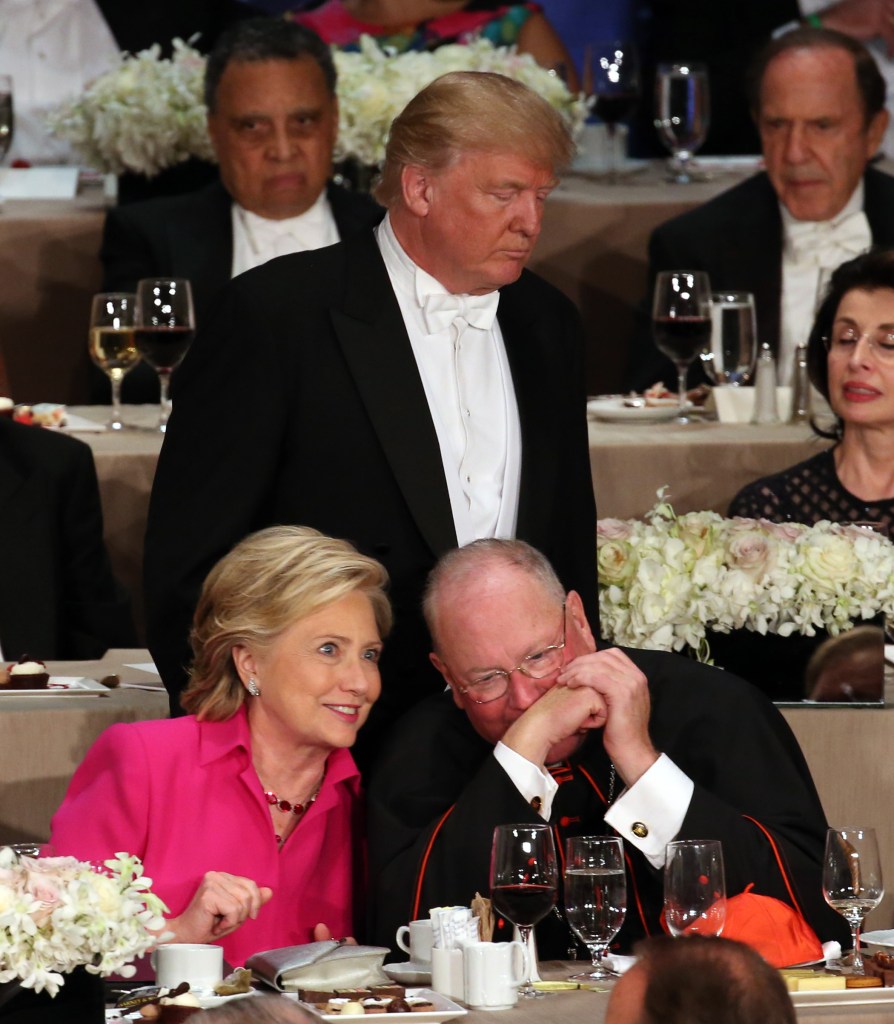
[411, 389]
[818, 99]
[273, 119]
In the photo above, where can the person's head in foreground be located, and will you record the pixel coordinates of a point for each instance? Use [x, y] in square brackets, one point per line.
[850, 352]
[265, 1009]
[272, 115]
[848, 667]
[468, 166]
[699, 980]
[290, 621]
[819, 102]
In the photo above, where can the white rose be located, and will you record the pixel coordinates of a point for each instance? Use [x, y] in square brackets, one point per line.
[753, 552]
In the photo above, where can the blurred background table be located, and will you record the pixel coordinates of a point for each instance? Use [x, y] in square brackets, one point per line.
[43, 739]
[593, 247]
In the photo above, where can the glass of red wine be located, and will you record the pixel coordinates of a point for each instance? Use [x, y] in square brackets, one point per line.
[681, 322]
[524, 877]
[165, 325]
[611, 78]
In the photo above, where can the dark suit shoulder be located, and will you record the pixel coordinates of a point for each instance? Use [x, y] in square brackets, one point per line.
[353, 211]
[150, 213]
[31, 448]
[738, 204]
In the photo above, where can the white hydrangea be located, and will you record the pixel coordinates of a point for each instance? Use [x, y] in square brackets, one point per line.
[58, 913]
[666, 582]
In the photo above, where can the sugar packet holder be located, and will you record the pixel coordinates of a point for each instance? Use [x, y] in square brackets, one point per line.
[320, 965]
[453, 927]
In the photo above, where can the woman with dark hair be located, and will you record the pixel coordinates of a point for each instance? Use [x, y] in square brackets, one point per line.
[850, 358]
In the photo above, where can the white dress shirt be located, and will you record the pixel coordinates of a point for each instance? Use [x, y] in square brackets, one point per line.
[468, 385]
[258, 239]
[52, 49]
[659, 799]
[811, 251]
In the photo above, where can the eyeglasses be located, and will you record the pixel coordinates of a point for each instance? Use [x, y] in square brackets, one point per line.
[844, 342]
[494, 684]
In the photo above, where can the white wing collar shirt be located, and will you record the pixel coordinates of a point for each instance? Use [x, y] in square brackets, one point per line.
[258, 239]
[52, 49]
[811, 251]
[461, 357]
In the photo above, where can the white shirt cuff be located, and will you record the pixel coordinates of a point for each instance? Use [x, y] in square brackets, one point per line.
[528, 778]
[650, 813]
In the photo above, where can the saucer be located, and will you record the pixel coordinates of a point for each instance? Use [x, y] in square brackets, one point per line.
[409, 973]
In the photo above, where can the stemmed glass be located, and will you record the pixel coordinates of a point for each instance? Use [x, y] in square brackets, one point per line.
[7, 121]
[682, 114]
[694, 887]
[732, 353]
[165, 327]
[111, 343]
[681, 322]
[524, 877]
[595, 896]
[611, 77]
[852, 880]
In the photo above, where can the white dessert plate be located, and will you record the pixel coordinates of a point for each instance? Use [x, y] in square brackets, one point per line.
[443, 1009]
[209, 1002]
[409, 973]
[844, 997]
[61, 686]
[611, 408]
[878, 942]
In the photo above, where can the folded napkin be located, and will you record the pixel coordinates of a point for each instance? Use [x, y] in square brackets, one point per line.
[320, 965]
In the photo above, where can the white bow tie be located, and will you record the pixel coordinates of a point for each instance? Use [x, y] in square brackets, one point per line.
[440, 309]
[821, 243]
[280, 236]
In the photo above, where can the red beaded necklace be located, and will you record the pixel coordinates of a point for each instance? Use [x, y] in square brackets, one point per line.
[299, 810]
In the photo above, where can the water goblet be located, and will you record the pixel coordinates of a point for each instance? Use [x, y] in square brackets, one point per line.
[165, 327]
[682, 114]
[611, 78]
[681, 322]
[524, 878]
[111, 343]
[694, 887]
[852, 881]
[730, 358]
[595, 896]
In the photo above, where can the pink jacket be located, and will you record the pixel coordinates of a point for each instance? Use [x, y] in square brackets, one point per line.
[184, 797]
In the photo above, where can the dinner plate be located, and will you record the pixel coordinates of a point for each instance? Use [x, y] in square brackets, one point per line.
[61, 686]
[409, 973]
[844, 997]
[442, 1009]
[613, 410]
[879, 941]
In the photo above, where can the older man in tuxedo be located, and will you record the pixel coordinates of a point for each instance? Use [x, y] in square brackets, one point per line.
[273, 120]
[409, 389]
[819, 102]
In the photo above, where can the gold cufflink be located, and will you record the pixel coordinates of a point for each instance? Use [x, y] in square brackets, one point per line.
[639, 830]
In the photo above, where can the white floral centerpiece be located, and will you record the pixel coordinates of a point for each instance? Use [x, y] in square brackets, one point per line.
[668, 580]
[59, 913]
[144, 115]
[148, 112]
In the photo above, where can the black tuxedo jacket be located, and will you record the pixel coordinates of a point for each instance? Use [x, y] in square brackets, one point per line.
[191, 236]
[305, 405]
[737, 238]
[58, 599]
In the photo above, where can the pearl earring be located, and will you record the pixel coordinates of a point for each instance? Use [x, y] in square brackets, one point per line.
[253, 687]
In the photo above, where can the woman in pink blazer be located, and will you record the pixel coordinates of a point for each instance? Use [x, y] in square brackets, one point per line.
[246, 812]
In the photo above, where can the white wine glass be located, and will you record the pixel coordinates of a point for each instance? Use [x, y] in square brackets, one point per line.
[682, 115]
[730, 358]
[694, 887]
[612, 80]
[111, 343]
[595, 896]
[165, 327]
[524, 878]
[681, 322]
[852, 880]
[7, 119]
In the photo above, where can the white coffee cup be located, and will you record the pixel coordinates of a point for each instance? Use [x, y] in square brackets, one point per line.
[200, 965]
[415, 938]
[447, 973]
[492, 972]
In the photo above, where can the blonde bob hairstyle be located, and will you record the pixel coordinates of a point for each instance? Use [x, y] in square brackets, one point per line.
[267, 583]
[472, 111]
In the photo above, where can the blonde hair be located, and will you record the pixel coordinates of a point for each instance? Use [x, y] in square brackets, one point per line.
[269, 581]
[475, 111]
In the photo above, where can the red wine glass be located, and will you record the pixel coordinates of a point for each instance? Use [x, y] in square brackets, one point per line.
[164, 328]
[681, 322]
[524, 877]
[612, 80]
